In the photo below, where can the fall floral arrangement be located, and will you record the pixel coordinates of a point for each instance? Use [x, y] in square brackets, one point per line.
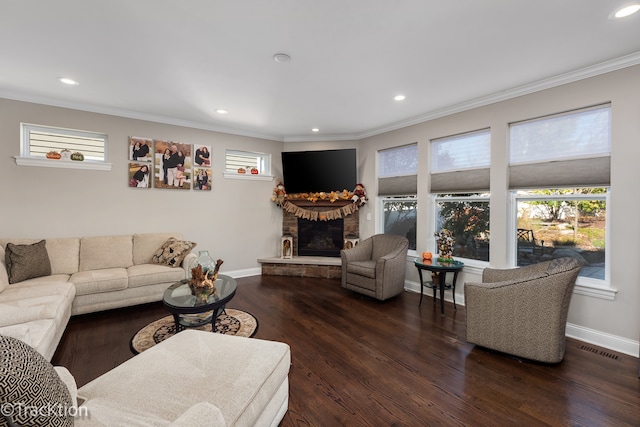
[444, 243]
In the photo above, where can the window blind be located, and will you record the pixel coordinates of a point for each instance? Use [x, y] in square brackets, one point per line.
[41, 139]
[398, 171]
[461, 163]
[568, 149]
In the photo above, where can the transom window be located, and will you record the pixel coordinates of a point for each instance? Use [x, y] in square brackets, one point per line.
[51, 146]
[252, 163]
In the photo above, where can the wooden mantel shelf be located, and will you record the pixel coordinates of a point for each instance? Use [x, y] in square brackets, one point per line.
[320, 203]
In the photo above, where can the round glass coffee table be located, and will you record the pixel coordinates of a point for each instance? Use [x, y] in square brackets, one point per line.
[188, 312]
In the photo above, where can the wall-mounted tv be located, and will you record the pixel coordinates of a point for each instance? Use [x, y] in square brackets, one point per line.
[316, 171]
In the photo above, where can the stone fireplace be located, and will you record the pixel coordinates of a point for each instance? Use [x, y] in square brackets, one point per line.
[321, 261]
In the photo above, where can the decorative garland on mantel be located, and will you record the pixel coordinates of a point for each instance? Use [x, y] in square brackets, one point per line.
[329, 215]
[358, 198]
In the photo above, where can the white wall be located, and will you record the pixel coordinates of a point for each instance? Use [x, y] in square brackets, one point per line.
[610, 323]
[235, 221]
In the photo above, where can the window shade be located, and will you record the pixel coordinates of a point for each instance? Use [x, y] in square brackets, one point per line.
[569, 149]
[397, 171]
[460, 164]
[41, 139]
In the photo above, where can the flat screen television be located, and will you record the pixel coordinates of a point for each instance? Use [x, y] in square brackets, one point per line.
[316, 171]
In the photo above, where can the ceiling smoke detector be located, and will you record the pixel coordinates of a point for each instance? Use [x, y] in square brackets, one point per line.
[281, 57]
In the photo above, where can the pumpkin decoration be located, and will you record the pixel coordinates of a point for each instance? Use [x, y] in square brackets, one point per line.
[77, 156]
[65, 154]
[254, 171]
[242, 170]
[427, 255]
[54, 155]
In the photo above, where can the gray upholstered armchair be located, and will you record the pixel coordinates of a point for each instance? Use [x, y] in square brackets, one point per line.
[522, 311]
[376, 266]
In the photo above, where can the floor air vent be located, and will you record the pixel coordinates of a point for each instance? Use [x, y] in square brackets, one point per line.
[598, 351]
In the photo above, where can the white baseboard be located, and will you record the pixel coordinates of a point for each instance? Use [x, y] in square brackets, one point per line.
[246, 272]
[602, 339]
[581, 333]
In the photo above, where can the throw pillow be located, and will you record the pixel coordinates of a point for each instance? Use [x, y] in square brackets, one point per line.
[4, 277]
[27, 261]
[31, 392]
[172, 252]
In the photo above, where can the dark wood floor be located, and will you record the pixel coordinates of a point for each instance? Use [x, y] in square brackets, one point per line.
[360, 362]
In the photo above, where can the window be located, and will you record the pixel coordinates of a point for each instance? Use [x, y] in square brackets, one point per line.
[558, 222]
[38, 141]
[397, 190]
[467, 217]
[460, 186]
[399, 217]
[247, 161]
[559, 175]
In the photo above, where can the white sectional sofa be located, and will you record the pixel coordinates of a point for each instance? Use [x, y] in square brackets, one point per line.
[88, 274]
[192, 379]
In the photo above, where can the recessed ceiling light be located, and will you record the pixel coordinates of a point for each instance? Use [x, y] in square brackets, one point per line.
[221, 111]
[281, 57]
[68, 81]
[315, 130]
[625, 11]
[399, 97]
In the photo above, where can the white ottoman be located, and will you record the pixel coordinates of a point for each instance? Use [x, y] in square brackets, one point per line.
[213, 378]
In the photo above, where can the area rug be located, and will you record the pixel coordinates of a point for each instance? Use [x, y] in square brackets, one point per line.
[231, 322]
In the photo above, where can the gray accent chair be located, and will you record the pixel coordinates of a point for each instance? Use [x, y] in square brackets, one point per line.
[523, 311]
[376, 266]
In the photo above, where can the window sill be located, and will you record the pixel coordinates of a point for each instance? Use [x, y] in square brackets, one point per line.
[595, 289]
[472, 266]
[231, 175]
[584, 286]
[63, 164]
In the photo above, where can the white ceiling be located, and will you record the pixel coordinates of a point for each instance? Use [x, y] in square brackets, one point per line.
[179, 61]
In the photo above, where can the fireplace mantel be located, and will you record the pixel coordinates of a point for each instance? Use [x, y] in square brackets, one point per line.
[320, 203]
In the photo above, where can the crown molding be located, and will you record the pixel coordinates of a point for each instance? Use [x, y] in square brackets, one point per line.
[551, 82]
[129, 114]
[316, 138]
[570, 77]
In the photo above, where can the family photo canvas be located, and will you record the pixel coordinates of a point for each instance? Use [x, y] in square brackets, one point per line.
[173, 165]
